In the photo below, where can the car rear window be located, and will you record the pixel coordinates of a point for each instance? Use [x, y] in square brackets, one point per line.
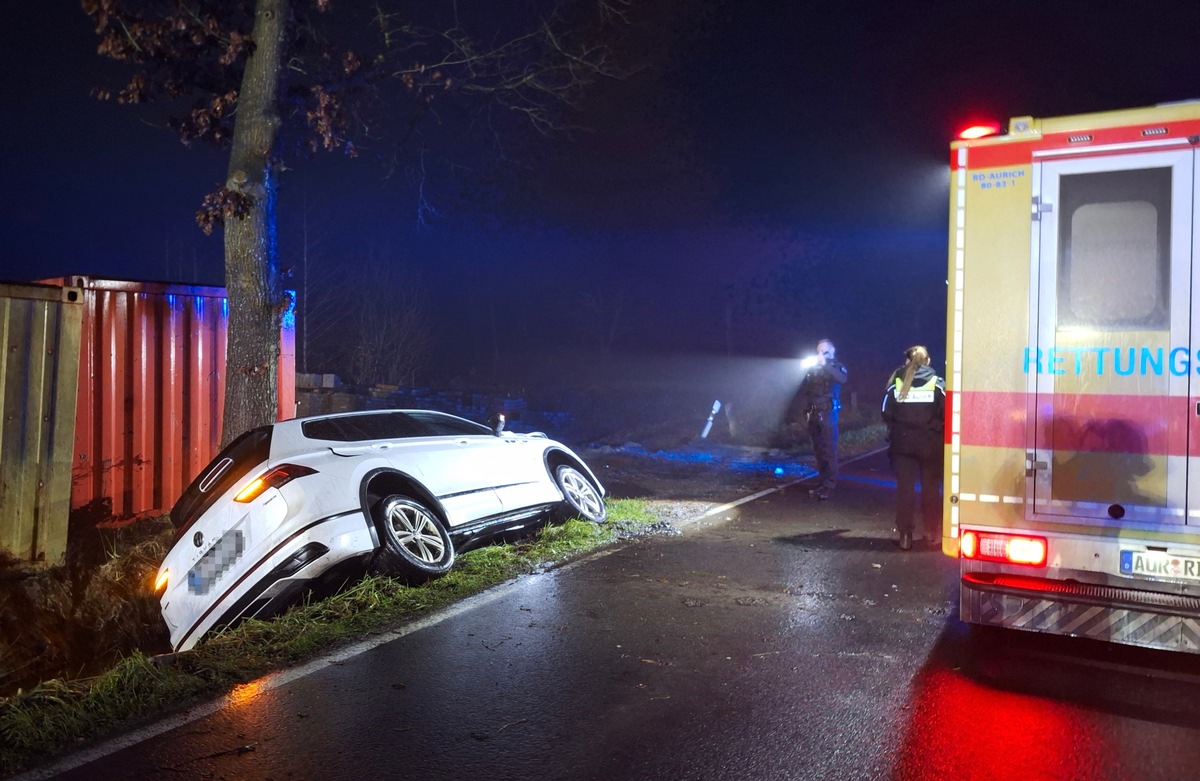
[233, 463]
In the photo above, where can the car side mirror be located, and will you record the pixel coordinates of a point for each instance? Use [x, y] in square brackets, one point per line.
[497, 423]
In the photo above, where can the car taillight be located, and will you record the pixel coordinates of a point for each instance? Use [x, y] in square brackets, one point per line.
[160, 583]
[1006, 548]
[279, 476]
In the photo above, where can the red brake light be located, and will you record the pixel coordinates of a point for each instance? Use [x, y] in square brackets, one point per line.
[982, 130]
[277, 477]
[968, 545]
[1005, 548]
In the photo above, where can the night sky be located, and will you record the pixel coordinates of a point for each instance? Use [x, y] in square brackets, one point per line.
[775, 173]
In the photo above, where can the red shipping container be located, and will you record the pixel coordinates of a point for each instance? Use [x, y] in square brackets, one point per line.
[152, 390]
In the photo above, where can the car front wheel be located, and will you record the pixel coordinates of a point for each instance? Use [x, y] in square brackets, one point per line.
[580, 494]
[416, 546]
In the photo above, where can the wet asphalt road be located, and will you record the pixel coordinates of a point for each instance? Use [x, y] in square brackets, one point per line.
[782, 639]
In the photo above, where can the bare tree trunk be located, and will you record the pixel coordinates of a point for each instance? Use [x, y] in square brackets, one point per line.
[251, 256]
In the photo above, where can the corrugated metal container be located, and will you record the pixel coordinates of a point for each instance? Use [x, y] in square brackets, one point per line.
[151, 392]
[38, 374]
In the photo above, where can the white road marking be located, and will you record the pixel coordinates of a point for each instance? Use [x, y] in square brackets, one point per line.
[768, 491]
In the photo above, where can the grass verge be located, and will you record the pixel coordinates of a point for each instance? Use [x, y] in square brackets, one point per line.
[58, 715]
[864, 439]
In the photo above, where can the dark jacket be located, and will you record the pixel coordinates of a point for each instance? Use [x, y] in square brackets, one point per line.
[916, 423]
[821, 387]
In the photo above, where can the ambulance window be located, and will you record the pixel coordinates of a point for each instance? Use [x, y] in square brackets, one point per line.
[1114, 266]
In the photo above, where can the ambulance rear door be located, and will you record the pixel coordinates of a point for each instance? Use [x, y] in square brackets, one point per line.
[1113, 354]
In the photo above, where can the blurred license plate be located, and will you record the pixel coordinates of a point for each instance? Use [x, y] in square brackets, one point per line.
[1156, 564]
[216, 562]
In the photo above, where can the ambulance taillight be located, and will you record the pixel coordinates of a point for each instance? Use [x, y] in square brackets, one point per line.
[1005, 548]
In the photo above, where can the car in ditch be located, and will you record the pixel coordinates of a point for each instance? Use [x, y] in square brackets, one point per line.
[303, 503]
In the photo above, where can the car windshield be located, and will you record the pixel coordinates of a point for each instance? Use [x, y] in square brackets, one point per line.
[389, 425]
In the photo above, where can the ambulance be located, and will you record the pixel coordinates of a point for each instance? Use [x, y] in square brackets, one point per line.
[1072, 493]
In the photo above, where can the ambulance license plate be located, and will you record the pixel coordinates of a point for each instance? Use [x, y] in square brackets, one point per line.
[1156, 564]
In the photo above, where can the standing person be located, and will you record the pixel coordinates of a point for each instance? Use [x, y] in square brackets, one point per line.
[820, 393]
[914, 406]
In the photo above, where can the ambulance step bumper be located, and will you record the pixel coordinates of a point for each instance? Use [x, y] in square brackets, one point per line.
[1120, 615]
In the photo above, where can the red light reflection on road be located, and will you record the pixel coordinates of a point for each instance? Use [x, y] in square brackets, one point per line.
[959, 729]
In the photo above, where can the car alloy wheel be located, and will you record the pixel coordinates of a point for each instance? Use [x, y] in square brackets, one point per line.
[416, 532]
[581, 494]
[415, 543]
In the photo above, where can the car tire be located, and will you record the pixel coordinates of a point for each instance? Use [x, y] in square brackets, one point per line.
[582, 498]
[415, 545]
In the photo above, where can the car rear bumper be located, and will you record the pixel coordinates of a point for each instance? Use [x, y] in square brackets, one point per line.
[266, 577]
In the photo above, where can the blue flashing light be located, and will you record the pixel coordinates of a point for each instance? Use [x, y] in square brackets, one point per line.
[289, 316]
[690, 458]
[731, 461]
[879, 482]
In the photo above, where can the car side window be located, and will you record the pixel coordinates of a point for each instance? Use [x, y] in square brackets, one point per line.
[448, 426]
[362, 428]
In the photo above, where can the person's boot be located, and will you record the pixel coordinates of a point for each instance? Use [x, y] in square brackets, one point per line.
[905, 541]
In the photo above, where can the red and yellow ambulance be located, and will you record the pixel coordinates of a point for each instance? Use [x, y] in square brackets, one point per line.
[1073, 376]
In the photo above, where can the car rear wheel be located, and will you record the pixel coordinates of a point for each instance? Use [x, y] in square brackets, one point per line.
[580, 494]
[416, 546]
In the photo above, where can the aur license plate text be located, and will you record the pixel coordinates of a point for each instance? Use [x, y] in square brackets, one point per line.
[1156, 564]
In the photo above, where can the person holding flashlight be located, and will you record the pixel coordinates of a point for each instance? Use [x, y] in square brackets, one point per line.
[820, 393]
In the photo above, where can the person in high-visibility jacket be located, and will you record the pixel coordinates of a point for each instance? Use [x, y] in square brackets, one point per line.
[914, 405]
